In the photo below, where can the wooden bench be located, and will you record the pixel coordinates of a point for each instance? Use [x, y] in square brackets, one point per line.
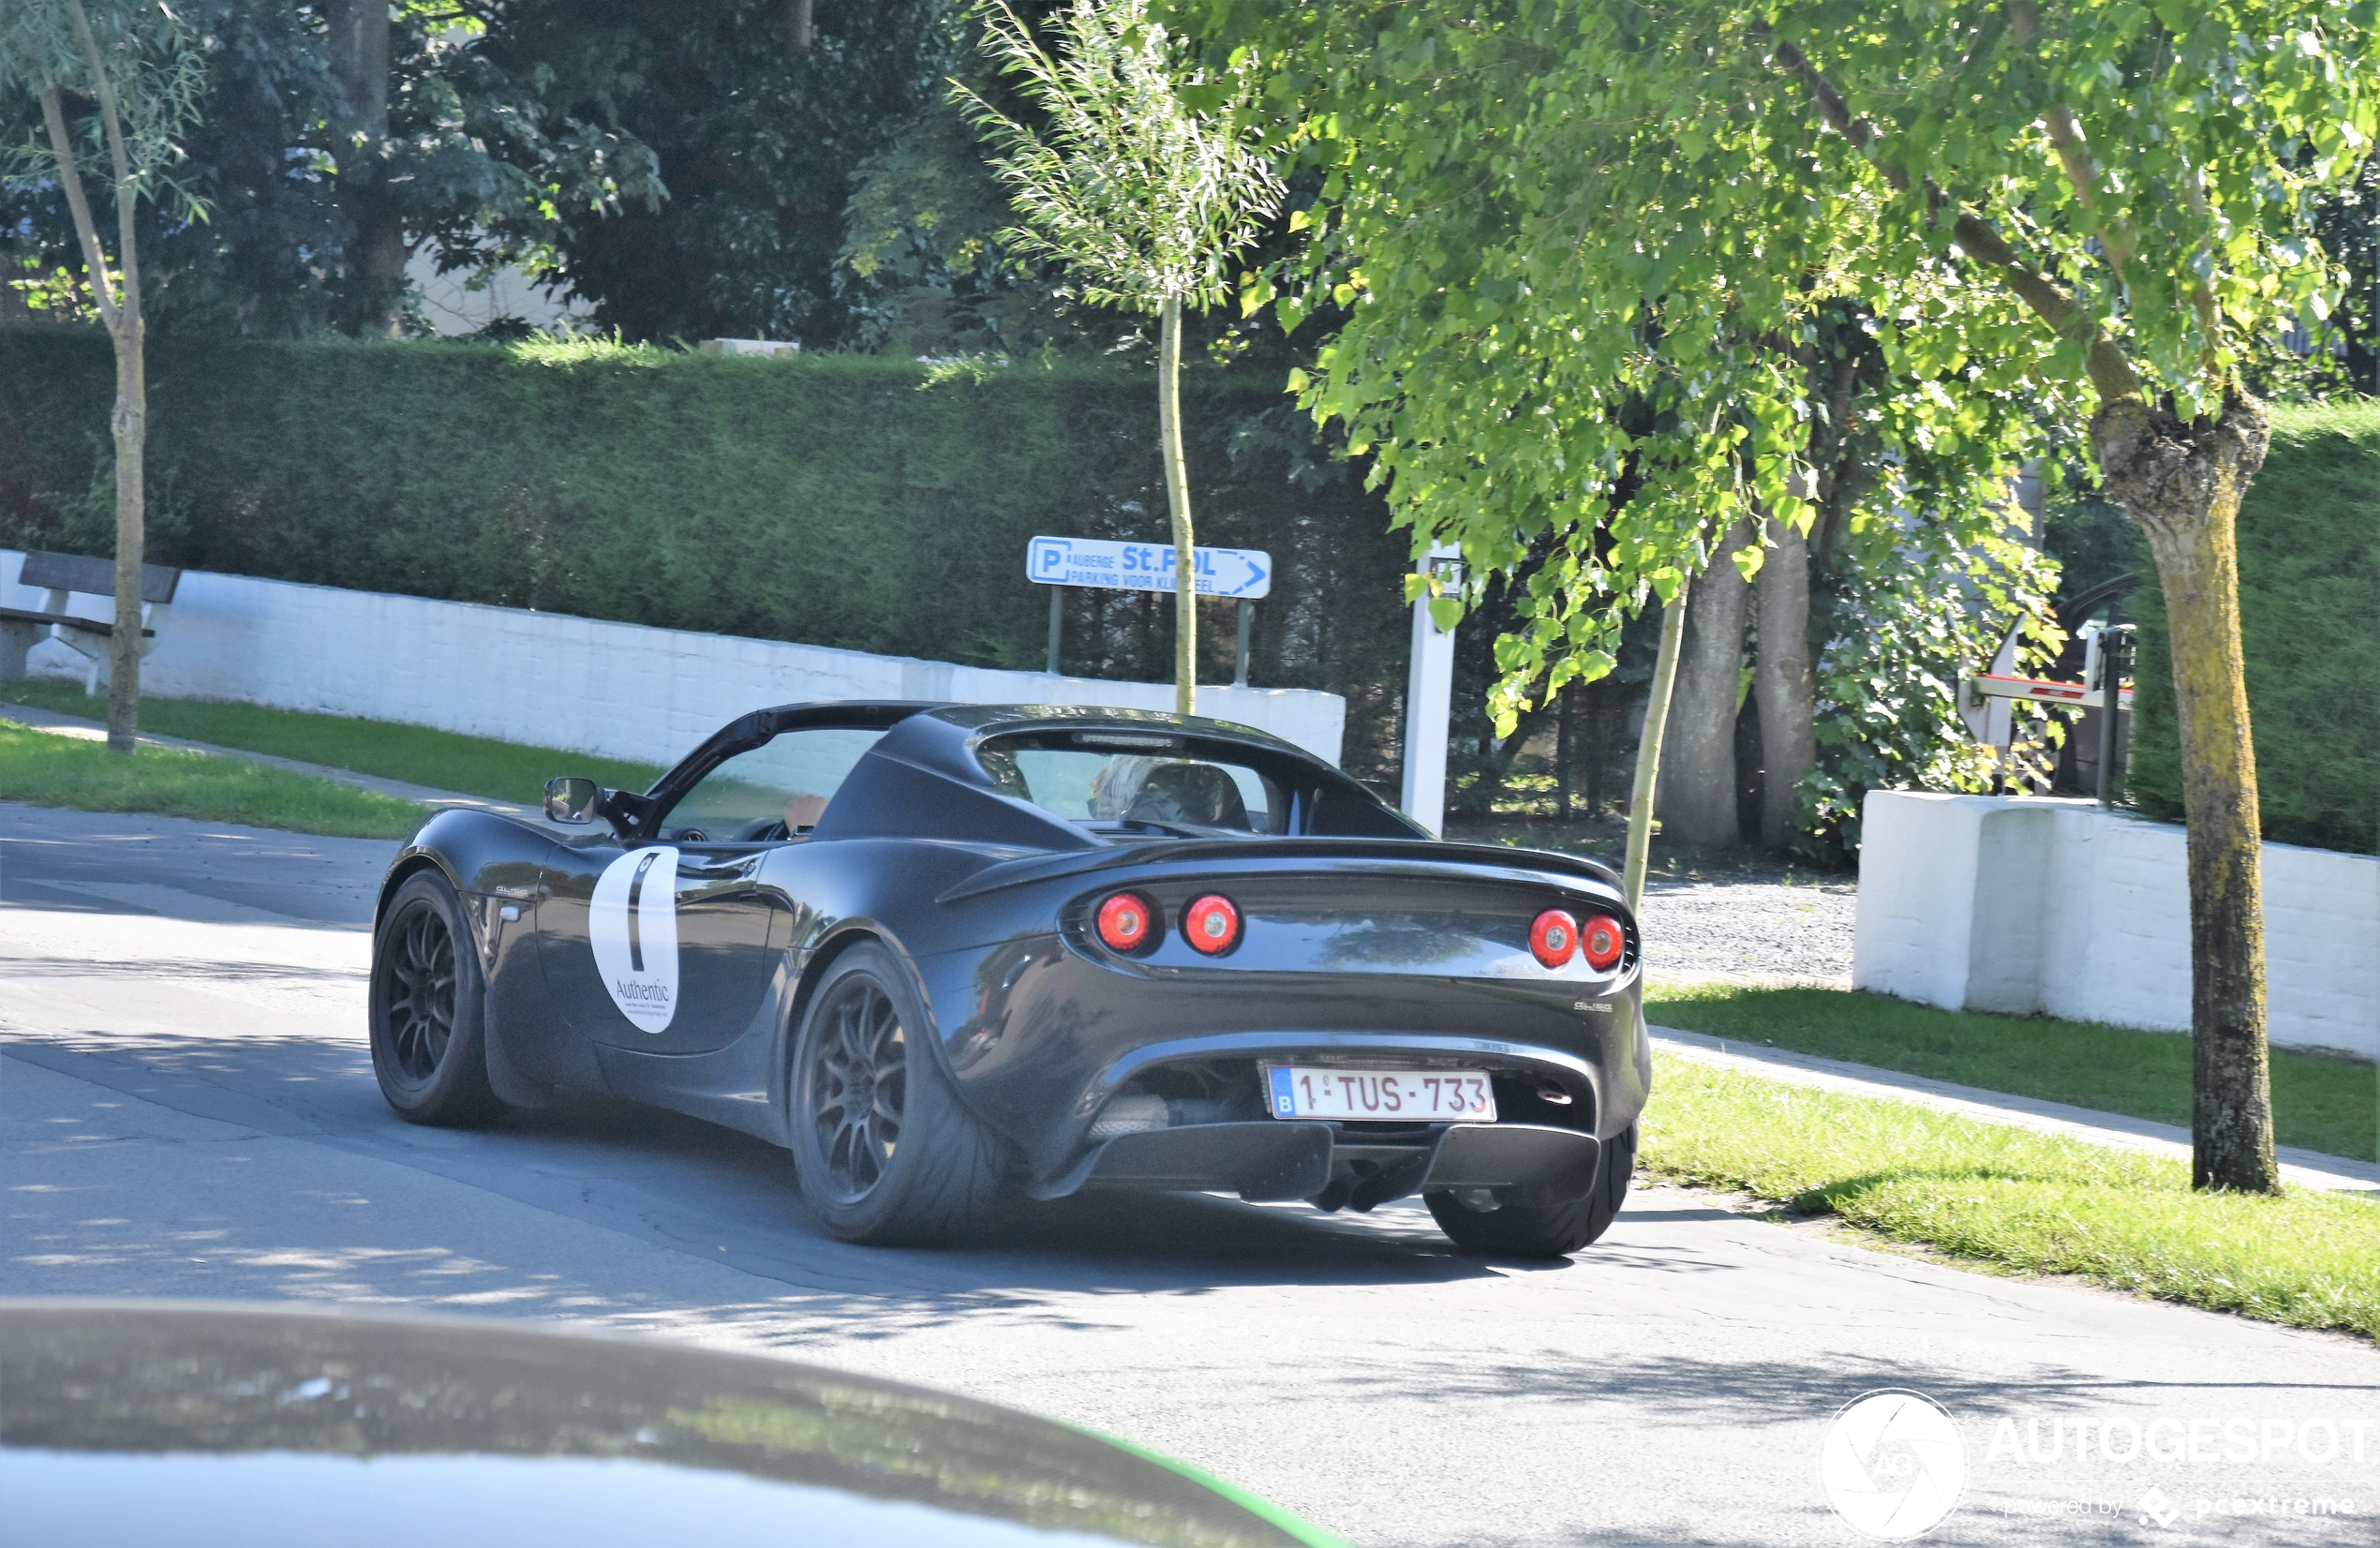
[64, 577]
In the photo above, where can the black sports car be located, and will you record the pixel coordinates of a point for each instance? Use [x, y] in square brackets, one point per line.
[949, 954]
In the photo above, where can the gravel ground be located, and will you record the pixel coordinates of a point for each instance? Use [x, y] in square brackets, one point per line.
[1753, 929]
[1744, 916]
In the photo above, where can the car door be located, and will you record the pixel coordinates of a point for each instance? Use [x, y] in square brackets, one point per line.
[666, 945]
[658, 946]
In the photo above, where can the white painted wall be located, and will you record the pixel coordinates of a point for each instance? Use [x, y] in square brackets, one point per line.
[550, 680]
[2025, 905]
[452, 309]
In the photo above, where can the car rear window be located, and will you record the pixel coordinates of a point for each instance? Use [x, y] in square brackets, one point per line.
[1138, 785]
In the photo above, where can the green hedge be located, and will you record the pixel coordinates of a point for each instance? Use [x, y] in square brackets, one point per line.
[2310, 618]
[840, 501]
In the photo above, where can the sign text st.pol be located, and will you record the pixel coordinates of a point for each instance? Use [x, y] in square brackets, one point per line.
[1245, 573]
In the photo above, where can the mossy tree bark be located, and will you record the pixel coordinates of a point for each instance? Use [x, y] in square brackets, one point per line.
[1783, 680]
[2181, 483]
[1697, 788]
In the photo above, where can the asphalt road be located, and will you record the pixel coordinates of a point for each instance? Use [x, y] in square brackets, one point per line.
[188, 1111]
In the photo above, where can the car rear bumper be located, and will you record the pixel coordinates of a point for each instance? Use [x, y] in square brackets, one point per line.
[1275, 1160]
[1042, 1042]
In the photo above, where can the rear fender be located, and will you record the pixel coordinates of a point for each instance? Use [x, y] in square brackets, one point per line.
[818, 961]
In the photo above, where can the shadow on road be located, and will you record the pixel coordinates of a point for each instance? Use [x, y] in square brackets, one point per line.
[730, 1200]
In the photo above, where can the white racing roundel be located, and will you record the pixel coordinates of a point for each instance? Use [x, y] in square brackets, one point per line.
[633, 923]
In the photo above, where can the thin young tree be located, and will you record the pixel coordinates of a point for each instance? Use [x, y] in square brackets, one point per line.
[140, 74]
[1142, 185]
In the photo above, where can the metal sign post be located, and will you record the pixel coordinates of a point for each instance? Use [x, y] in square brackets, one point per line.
[2110, 644]
[1242, 574]
[1429, 700]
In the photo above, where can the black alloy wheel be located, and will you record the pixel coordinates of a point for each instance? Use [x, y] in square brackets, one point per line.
[883, 1149]
[858, 1082]
[427, 1003]
[418, 991]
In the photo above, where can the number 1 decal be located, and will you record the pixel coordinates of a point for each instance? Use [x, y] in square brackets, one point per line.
[632, 922]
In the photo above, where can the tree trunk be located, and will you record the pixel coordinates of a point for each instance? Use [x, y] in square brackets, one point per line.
[1186, 557]
[1648, 747]
[1563, 700]
[358, 41]
[1698, 770]
[130, 424]
[2181, 484]
[1782, 682]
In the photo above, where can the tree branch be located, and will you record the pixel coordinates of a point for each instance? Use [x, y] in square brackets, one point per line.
[126, 197]
[2202, 295]
[95, 258]
[2074, 151]
[2110, 372]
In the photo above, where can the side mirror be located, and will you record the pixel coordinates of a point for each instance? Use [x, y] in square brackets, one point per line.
[571, 799]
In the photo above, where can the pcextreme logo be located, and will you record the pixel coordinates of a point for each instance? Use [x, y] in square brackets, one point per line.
[633, 924]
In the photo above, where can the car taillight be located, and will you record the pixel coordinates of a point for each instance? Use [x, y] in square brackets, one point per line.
[1212, 924]
[1128, 921]
[1553, 937]
[1601, 940]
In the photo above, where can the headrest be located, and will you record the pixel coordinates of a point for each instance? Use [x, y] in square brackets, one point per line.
[1198, 794]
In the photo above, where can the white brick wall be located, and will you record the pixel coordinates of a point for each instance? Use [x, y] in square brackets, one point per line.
[551, 681]
[2053, 906]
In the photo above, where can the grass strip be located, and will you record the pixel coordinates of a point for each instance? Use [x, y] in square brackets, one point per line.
[443, 760]
[2017, 1199]
[46, 769]
[2320, 1102]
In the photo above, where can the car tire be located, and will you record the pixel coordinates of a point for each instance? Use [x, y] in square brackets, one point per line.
[1551, 1230]
[885, 1153]
[428, 1009]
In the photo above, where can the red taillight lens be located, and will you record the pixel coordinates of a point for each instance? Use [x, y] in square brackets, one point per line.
[1601, 940]
[1212, 924]
[1553, 937]
[1128, 921]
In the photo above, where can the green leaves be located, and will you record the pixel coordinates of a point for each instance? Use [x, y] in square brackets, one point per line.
[1145, 180]
[1606, 251]
[139, 57]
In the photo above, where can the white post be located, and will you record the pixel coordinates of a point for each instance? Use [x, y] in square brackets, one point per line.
[1429, 696]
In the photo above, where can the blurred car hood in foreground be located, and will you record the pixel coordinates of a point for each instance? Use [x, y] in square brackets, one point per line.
[130, 1424]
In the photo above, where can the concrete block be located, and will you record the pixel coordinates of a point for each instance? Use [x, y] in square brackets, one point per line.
[2026, 905]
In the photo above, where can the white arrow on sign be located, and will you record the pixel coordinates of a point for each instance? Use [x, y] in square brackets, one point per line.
[1242, 572]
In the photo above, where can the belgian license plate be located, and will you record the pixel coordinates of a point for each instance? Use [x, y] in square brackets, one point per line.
[1438, 1095]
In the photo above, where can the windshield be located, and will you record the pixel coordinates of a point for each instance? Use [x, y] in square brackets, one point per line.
[1146, 794]
[778, 790]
